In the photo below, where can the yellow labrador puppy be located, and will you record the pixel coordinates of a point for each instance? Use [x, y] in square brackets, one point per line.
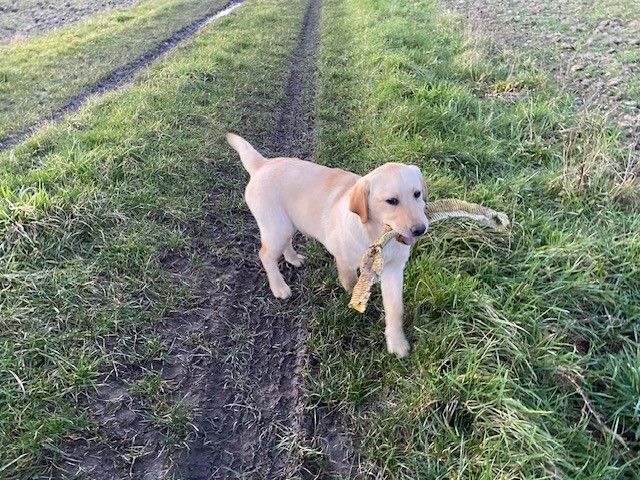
[342, 210]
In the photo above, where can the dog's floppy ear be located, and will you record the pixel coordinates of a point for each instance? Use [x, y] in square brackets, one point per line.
[359, 201]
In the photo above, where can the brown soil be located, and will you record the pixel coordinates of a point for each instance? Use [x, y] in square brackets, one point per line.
[22, 18]
[581, 48]
[236, 357]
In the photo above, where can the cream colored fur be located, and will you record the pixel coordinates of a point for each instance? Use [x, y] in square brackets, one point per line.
[342, 210]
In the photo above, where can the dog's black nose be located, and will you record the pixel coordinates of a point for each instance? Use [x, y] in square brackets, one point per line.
[418, 230]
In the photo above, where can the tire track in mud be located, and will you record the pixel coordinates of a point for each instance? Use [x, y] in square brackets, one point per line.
[119, 77]
[294, 134]
[250, 419]
[236, 356]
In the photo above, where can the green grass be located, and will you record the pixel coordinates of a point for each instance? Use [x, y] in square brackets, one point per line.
[625, 10]
[497, 321]
[38, 75]
[627, 13]
[18, 18]
[88, 206]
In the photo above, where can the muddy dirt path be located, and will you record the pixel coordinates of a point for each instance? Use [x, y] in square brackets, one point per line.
[251, 413]
[235, 358]
[119, 77]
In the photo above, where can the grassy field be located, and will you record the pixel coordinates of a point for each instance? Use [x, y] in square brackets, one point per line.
[512, 333]
[89, 206]
[590, 48]
[33, 17]
[38, 75]
[525, 358]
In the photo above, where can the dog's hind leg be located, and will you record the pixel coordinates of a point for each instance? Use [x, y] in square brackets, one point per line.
[275, 233]
[270, 253]
[293, 257]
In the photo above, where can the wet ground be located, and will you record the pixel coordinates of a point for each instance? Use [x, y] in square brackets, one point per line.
[238, 357]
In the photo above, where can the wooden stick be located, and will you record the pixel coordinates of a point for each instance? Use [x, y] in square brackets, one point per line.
[594, 413]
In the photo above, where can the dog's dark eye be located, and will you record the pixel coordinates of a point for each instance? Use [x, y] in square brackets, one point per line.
[416, 194]
[392, 201]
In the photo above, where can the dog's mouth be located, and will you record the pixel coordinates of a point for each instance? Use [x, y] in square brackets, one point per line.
[405, 240]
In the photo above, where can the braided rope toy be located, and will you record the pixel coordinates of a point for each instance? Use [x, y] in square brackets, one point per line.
[372, 261]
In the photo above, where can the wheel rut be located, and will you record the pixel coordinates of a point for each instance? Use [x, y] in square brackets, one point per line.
[237, 355]
[118, 78]
[250, 418]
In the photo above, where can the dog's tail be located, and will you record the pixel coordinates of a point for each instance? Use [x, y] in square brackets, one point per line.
[251, 159]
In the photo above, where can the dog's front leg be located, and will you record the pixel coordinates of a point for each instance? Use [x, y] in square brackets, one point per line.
[391, 282]
[348, 276]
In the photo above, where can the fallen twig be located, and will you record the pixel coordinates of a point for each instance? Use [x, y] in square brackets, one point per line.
[594, 413]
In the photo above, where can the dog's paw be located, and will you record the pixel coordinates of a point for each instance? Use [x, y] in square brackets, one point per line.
[296, 260]
[282, 291]
[397, 343]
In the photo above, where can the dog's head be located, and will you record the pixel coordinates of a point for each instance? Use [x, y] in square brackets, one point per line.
[393, 194]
